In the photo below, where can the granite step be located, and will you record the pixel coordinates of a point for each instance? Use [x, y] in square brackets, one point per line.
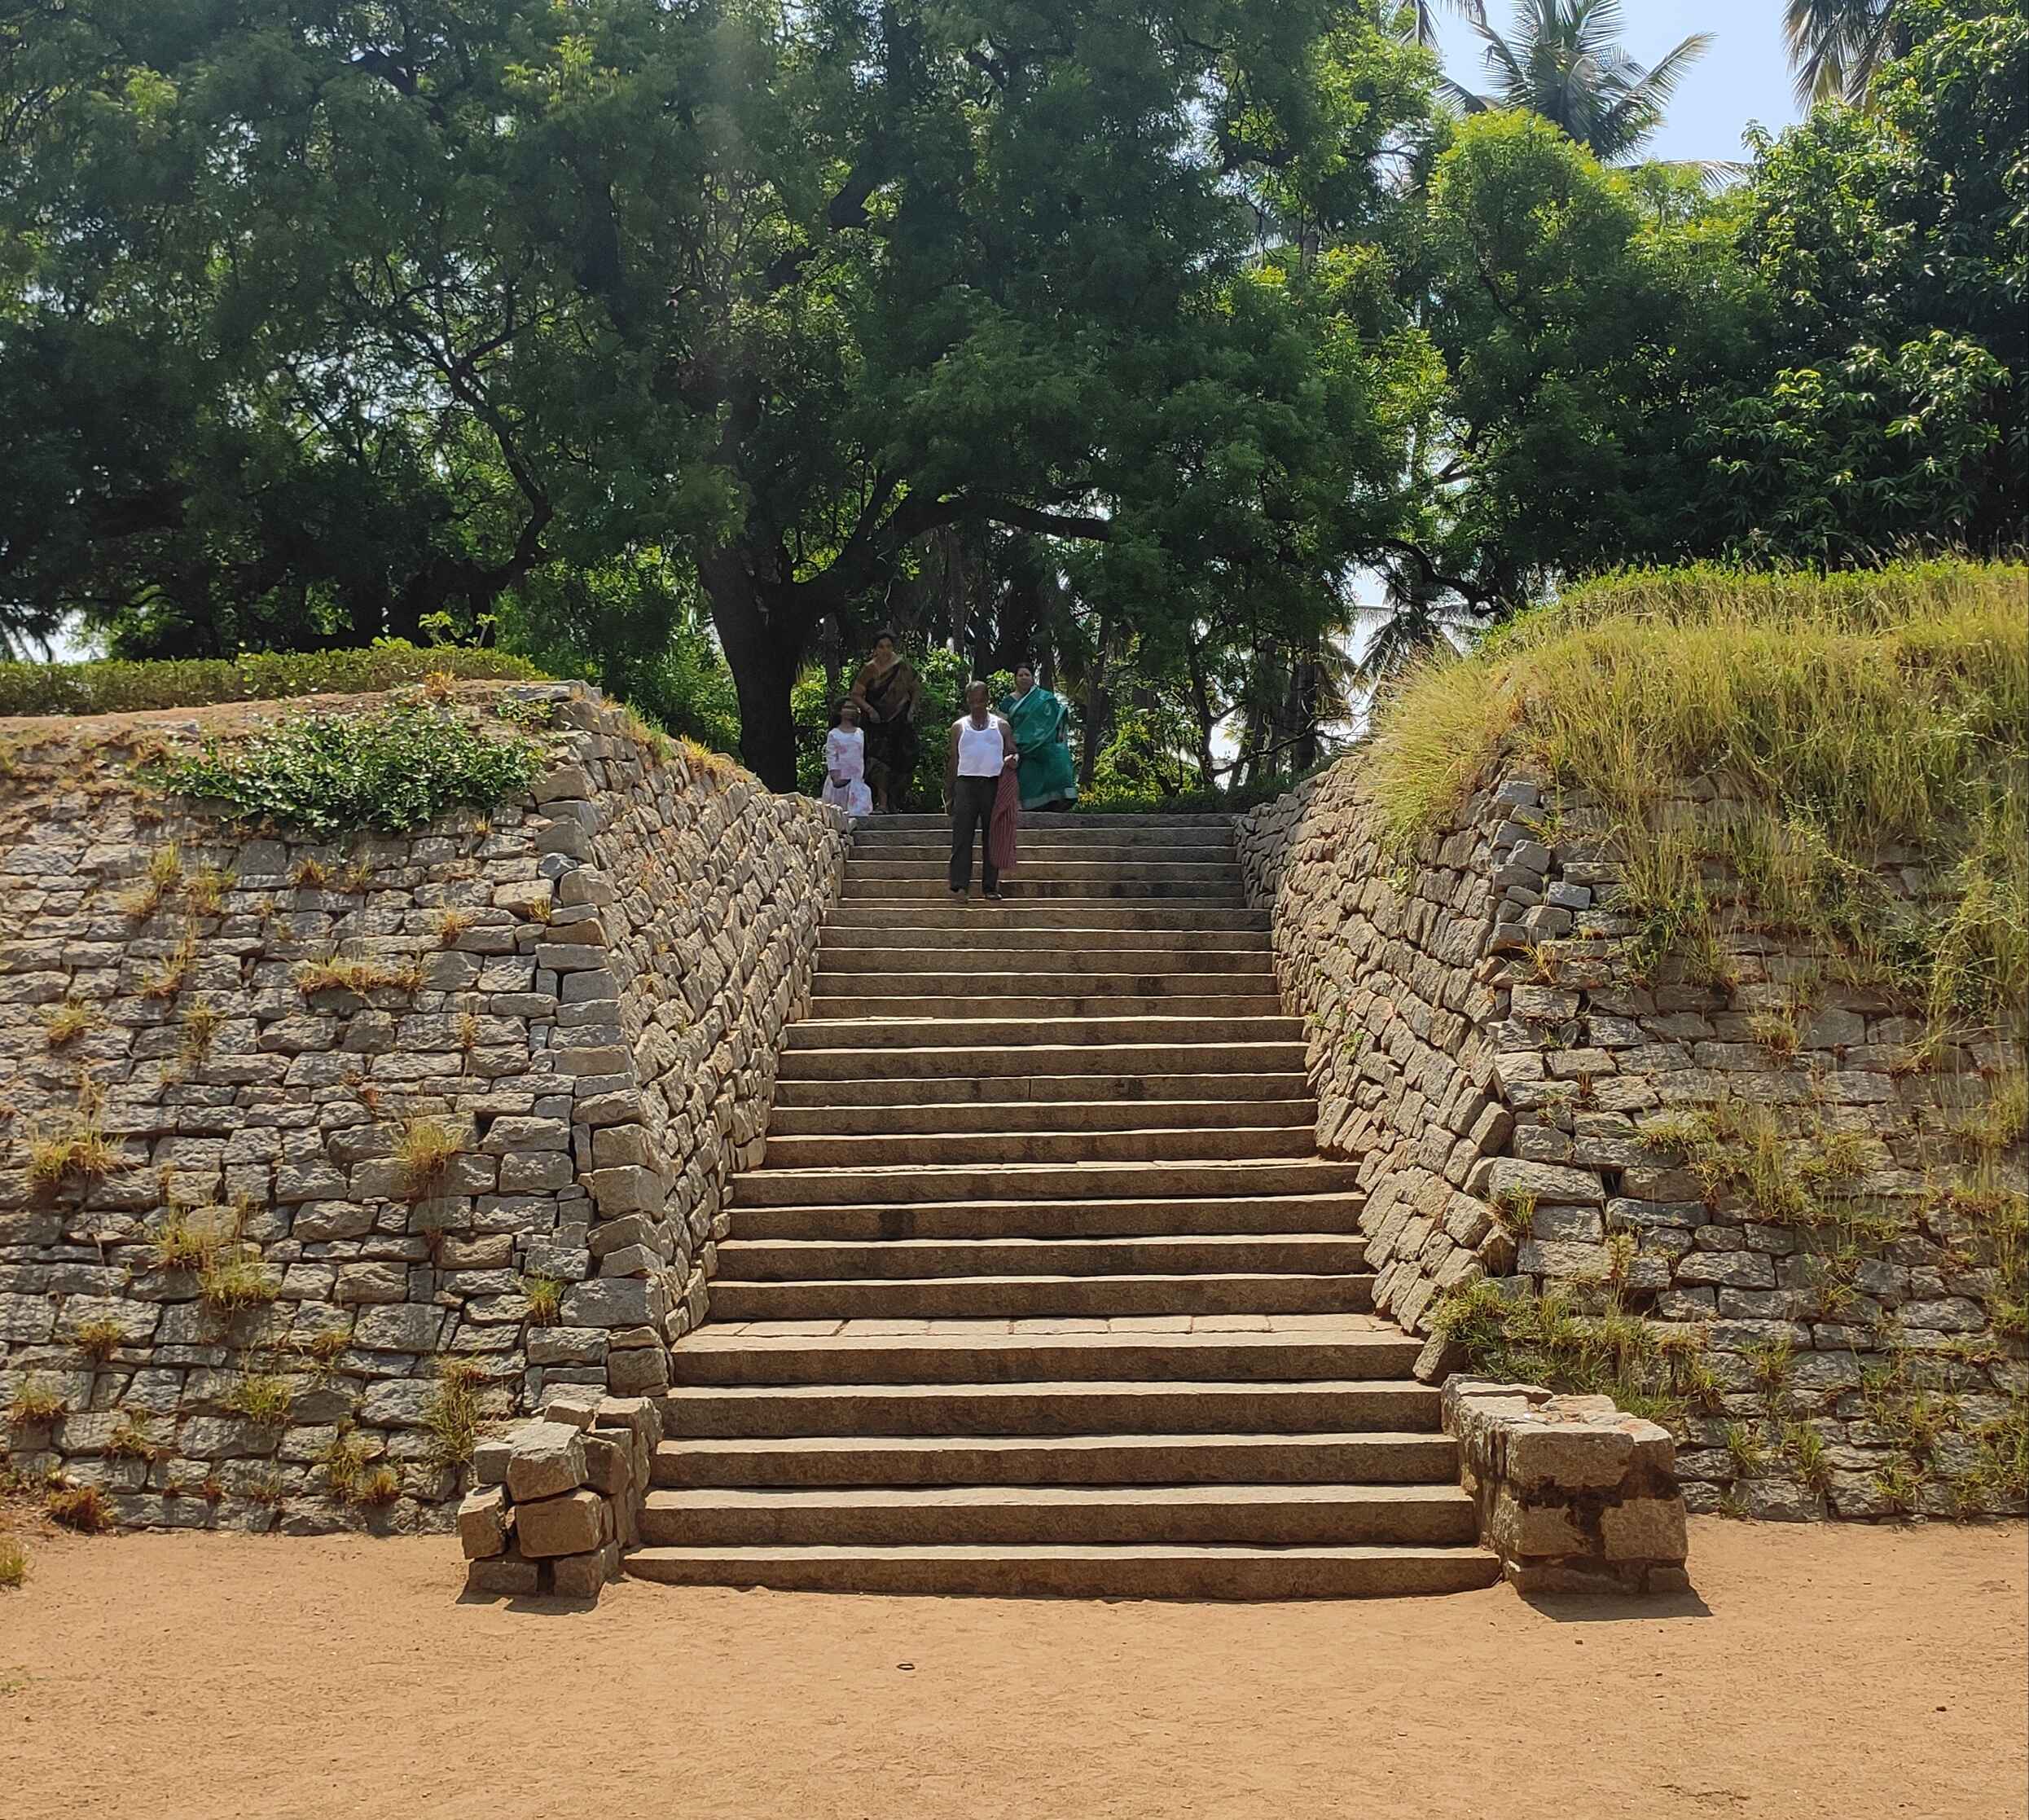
[842, 1059]
[1109, 891]
[827, 1006]
[1093, 916]
[1022, 1181]
[988, 1032]
[1074, 1571]
[1259, 1516]
[1083, 1407]
[1097, 872]
[973, 1150]
[967, 1298]
[1337, 1350]
[1351, 1459]
[1100, 977]
[1153, 1217]
[905, 1118]
[793, 1259]
[949, 1092]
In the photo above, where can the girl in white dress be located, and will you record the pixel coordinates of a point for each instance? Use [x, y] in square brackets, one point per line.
[846, 763]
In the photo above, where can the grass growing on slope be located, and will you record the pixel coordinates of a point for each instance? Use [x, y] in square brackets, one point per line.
[117, 686]
[1853, 717]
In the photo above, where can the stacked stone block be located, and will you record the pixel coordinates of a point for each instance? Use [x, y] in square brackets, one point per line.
[258, 1315]
[1483, 1040]
[558, 1498]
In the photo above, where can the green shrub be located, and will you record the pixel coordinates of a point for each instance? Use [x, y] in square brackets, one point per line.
[118, 687]
[390, 769]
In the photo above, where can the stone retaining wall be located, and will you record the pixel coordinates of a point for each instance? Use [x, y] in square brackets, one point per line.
[273, 1298]
[1774, 1170]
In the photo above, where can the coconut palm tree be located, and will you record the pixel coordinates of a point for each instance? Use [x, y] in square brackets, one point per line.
[1564, 63]
[1837, 46]
[1419, 19]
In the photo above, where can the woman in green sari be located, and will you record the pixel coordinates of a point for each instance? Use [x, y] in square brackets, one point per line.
[1041, 720]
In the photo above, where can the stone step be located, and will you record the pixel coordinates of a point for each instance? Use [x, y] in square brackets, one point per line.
[1338, 1350]
[1115, 1218]
[1259, 1516]
[1049, 833]
[1160, 827]
[1062, 894]
[829, 1007]
[1204, 1092]
[897, 1119]
[1033, 853]
[974, 1150]
[1084, 1408]
[936, 913]
[1059, 948]
[800, 1259]
[1071, 1571]
[988, 1032]
[1063, 1460]
[871, 1186]
[980, 1298]
[1097, 875]
[1100, 979]
[1060, 954]
[936, 1060]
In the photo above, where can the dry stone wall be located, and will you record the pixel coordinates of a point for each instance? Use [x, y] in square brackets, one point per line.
[1778, 1172]
[318, 1164]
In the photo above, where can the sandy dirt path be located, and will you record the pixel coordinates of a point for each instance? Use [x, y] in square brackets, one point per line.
[1821, 1671]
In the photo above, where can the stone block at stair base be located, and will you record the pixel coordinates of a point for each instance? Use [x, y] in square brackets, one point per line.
[547, 1458]
[574, 1523]
[609, 1464]
[1573, 1494]
[485, 1522]
[583, 1576]
[503, 1576]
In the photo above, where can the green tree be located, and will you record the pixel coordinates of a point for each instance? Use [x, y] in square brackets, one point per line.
[1563, 62]
[1583, 321]
[1895, 245]
[492, 292]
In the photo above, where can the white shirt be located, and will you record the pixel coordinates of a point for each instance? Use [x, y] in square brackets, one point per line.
[981, 751]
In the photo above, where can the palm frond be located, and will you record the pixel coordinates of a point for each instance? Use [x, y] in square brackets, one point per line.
[1838, 46]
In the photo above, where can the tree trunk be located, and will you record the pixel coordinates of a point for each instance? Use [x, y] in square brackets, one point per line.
[1094, 706]
[764, 649]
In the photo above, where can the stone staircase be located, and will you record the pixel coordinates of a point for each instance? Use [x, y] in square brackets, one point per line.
[1043, 1288]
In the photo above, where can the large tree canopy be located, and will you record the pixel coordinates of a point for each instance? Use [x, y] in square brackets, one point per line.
[657, 337]
[380, 310]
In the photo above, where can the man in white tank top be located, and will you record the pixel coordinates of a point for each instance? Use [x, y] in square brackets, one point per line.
[982, 746]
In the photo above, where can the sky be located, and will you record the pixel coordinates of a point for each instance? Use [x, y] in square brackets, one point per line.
[1744, 77]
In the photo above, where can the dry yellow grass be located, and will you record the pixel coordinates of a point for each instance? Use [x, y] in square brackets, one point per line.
[1849, 714]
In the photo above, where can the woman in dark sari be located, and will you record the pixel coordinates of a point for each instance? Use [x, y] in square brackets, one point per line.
[887, 690]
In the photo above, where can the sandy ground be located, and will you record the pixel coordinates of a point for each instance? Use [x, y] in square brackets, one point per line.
[1819, 1671]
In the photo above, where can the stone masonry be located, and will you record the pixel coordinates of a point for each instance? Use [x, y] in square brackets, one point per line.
[1517, 1090]
[248, 1302]
[1573, 1495]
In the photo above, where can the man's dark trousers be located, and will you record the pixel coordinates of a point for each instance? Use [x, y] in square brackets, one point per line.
[973, 807]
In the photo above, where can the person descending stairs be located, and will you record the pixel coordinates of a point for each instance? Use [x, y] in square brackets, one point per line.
[1042, 1287]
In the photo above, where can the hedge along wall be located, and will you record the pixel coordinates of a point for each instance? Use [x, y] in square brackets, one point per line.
[1761, 1197]
[363, 1147]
